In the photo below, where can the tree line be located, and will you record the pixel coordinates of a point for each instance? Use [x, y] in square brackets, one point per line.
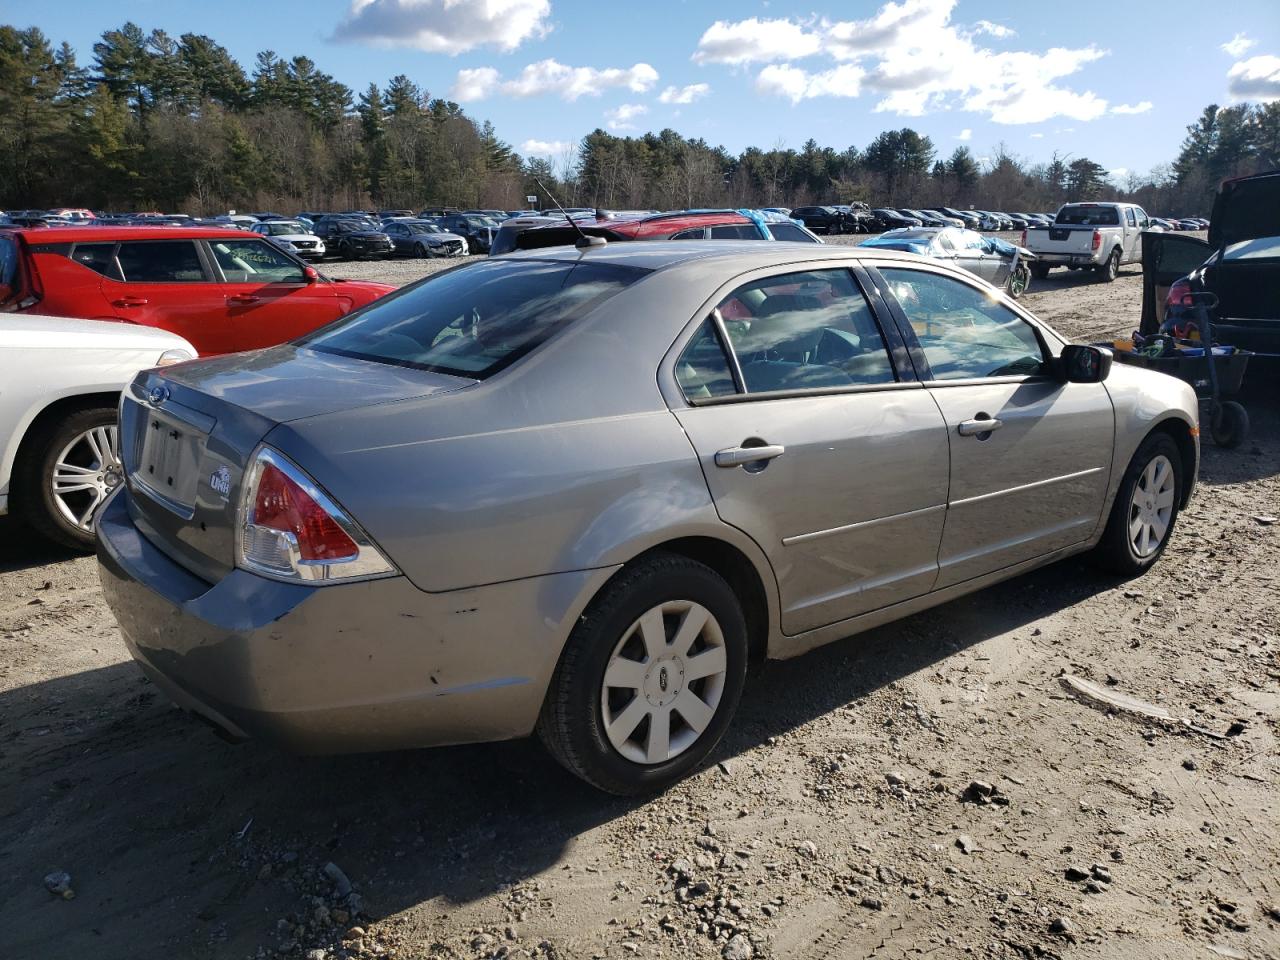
[178, 125]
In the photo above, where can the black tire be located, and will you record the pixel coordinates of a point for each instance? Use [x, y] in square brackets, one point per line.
[1040, 271]
[572, 721]
[1115, 552]
[1111, 269]
[344, 252]
[420, 250]
[32, 475]
[1229, 425]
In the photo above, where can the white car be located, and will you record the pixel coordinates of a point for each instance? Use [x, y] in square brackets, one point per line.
[291, 236]
[60, 383]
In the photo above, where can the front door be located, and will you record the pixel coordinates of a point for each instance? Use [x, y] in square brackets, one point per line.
[1030, 455]
[814, 447]
[268, 298]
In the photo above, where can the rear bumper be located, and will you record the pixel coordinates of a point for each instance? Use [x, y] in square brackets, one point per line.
[377, 665]
[1066, 259]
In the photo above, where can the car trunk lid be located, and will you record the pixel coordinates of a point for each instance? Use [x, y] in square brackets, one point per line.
[1246, 209]
[187, 433]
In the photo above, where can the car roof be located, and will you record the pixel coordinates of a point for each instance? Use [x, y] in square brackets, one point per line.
[661, 254]
[89, 234]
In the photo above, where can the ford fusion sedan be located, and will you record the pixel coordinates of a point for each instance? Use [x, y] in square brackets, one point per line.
[221, 290]
[577, 492]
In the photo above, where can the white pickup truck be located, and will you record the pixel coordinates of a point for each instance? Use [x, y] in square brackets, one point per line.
[1088, 236]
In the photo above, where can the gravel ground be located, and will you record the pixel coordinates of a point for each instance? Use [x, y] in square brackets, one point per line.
[926, 789]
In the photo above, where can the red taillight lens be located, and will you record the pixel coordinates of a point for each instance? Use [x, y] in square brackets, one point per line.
[1097, 239]
[281, 504]
[1179, 294]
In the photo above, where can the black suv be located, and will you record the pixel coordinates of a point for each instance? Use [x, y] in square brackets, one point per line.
[349, 239]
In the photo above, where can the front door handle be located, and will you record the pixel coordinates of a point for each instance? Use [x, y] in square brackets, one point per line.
[979, 426]
[130, 302]
[243, 298]
[738, 456]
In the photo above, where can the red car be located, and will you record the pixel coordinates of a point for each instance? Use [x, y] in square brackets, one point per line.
[223, 290]
[680, 225]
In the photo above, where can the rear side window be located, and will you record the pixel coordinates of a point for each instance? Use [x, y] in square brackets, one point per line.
[735, 231]
[8, 262]
[703, 369]
[1129, 215]
[789, 231]
[161, 261]
[698, 233]
[98, 257]
[477, 321]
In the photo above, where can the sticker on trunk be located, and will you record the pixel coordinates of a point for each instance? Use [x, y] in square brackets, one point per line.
[220, 481]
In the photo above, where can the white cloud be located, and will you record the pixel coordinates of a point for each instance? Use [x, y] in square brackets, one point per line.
[546, 148]
[912, 53]
[1118, 172]
[1257, 78]
[620, 117]
[551, 77]
[445, 26]
[965, 134]
[785, 80]
[755, 41]
[1238, 45]
[694, 91]
[1143, 107]
[997, 30]
[1036, 136]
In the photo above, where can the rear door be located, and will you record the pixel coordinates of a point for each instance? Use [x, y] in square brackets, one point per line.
[1030, 455]
[267, 296]
[816, 441]
[1166, 257]
[166, 284]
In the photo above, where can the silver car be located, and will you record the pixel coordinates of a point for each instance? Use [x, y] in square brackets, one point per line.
[577, 492]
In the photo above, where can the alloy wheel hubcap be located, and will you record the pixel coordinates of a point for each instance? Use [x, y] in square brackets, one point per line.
[1151, 507]
[663, 682]
[84, 474]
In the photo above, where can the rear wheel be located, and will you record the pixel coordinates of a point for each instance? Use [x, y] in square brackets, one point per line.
[649, 678]
[68, 468]
[1146, 508]
[1111, 269]
[1040, 270]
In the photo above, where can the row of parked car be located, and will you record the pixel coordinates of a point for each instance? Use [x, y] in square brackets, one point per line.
[860, 218]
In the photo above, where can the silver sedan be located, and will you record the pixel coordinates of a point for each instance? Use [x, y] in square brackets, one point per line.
[577, 492]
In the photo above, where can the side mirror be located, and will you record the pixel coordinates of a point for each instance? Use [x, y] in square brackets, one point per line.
[311, 273]
[1082, 364]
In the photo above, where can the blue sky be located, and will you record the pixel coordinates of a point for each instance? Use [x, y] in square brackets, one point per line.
[1117, 82]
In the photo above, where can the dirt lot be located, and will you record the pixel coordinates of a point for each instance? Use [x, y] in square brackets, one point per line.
[839, 821]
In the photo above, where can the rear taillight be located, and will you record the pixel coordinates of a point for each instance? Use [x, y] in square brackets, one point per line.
[1097, 239]
[1179, 294]
[290, 529]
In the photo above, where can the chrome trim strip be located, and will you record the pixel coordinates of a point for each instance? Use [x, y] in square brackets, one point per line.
[862, 524]
[1026, 486]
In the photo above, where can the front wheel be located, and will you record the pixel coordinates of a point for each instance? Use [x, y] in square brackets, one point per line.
[1018, 281]
[68, 468]
[649, 678]
[1146, 508]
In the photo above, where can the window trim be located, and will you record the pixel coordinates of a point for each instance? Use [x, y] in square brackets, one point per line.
[923, 369]
[895, 349]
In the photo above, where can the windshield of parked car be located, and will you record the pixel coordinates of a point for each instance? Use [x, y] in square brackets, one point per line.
[1087, 216]
[474, 322]
[423, 228]
[283, 228]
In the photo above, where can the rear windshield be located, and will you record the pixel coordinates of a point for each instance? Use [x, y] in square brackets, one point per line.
[1088, 216]
[474, 321]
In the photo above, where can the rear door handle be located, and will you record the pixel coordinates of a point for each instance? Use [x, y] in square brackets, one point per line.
[737, 456]
[130, 302]
[243, 298]
[976, 427]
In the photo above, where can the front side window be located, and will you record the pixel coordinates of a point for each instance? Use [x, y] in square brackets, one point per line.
[161, 261]
[252, 261]
[697, 233]
[963, 332]
[474, 322]
[735, 231]
[800, 331]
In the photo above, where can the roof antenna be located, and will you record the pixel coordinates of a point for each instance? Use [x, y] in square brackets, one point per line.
[584, 241]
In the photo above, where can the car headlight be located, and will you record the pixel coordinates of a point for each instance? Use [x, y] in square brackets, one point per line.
[177, 355]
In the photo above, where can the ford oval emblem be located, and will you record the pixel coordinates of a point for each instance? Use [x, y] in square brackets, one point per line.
[157, 396]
